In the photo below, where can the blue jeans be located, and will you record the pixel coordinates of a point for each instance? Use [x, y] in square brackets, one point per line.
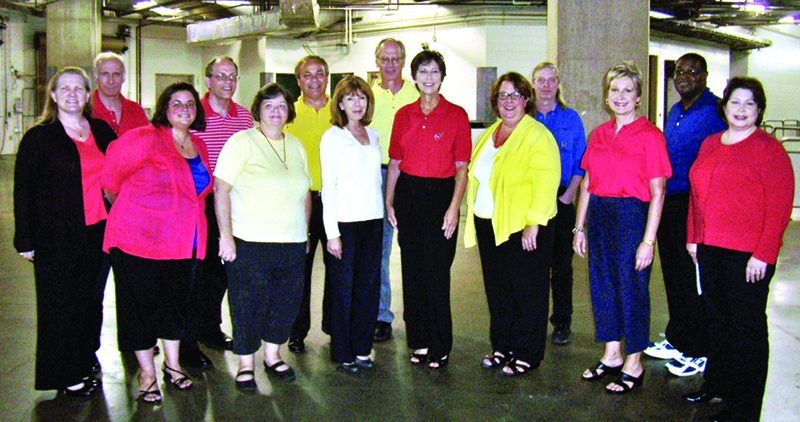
[384, 313]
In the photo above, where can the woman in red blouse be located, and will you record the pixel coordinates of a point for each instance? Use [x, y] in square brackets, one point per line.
[60, 218]
[157, 178]
[740, 205]
[425, 182]
[622, 193]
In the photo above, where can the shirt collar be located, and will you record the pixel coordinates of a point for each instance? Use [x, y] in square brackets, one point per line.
[232, 112]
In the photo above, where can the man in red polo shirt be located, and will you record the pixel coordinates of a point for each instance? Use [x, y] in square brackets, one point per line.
[109, 104]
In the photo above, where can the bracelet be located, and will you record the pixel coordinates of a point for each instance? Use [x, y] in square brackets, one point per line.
[577, 230]
[648, 242]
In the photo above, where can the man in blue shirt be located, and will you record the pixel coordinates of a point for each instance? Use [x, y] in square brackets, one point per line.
[567, 127]
[689, 122]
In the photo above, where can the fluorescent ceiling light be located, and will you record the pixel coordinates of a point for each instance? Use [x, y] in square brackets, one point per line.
[166, 11]
[659, 15]
[788, 19]
[144, 4]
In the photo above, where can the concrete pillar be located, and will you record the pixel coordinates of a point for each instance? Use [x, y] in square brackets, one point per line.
[73, 33]
[585, 38]
[739, 63]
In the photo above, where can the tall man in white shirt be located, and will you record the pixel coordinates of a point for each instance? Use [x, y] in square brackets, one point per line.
[224, 117]
[391, 92]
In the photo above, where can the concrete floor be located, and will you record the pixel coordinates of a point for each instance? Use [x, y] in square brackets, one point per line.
[395, 391]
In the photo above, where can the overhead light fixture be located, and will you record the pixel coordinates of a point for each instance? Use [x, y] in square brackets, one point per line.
[144, 4]
[788, 19]
[754, 7]
[166, 11]
[660, 15]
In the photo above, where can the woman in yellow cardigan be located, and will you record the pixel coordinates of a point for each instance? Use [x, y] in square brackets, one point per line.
[513, 180]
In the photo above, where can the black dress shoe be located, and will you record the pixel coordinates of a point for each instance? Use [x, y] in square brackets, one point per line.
[723, 416]
[700, 396]
[94, 367]
[196, 358]
[91, 379]
[87, 390]
[348, 368]
[217, 340]
[297, 345]
[561, 334]
[383, 332]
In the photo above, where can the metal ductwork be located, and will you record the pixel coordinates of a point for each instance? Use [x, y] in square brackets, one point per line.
[294, 17]
[300, 13]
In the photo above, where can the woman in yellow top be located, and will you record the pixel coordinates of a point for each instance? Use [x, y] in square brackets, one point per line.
[513, 180]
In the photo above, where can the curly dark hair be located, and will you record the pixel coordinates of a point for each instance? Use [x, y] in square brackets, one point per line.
[162, 105]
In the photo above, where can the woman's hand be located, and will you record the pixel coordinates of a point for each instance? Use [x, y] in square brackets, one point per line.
[692, 249]
[579, 244]
[529, 237]
[450, 222]
[335, 247]
[756, 270]
[644, 256]
[390, 217]
[27, 255]
[227, 248]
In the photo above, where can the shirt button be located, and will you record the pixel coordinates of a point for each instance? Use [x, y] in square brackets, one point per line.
[423, 126]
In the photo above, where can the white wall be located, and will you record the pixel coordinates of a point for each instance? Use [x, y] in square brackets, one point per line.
[16, 51]
[778, 68]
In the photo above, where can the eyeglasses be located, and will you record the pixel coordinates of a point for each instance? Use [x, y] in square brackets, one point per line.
[320, 74]
[393, 60]
[179, 105]
[506, 95]
[690, 72]
[223, 77]
[424, 72]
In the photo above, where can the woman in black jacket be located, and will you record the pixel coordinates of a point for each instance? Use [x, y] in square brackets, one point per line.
[60, 215]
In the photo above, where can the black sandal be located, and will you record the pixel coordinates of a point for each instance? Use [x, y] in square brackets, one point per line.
[246, 384]
[495, 359]
[285, 375]
[154, 394]
[620, 381]
[517, 368]
[178, 382]
[607, 370]
[440, 363]
[420, 358]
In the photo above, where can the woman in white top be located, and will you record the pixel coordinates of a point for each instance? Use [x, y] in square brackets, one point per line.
[353, 216]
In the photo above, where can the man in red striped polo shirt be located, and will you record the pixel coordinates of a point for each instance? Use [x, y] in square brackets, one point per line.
[224, 117]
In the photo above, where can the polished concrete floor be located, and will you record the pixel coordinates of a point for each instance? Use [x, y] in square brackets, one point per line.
[395, 391]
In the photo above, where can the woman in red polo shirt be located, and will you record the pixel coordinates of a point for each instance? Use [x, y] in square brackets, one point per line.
[157, 178]
[425, 182]
[620, 203]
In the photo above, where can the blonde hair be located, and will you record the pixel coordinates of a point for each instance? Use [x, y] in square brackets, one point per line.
[50, 110]
[554, 68]
[625, 69]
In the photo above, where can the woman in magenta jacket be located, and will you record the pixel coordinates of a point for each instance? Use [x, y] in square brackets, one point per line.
[157, 178]
[740, 204]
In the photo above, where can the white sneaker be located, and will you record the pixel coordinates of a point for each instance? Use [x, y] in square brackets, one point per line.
[662, 350]
[686, 367]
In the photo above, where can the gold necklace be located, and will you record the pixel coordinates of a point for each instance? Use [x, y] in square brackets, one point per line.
[283, 161]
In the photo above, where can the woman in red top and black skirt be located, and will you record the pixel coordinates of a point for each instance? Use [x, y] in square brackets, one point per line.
[425, 182]
[740, 205]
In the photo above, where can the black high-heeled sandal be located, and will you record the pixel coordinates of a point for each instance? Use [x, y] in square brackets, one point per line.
[622, 378]
[420, 358]
[246, 384]
[178, 382]
[607, 370]
[154, 395]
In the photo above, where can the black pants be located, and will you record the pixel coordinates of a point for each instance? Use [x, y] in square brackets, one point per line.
[205, 305]
[561, 275]
[426, 256]
[152, 298]
[264, 292]
[355, 289]
[738, 356]
[316, 234]
[516, 291]
[67, 309]
[687, 329]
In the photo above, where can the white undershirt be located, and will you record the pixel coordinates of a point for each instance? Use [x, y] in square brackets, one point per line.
[484, 202]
